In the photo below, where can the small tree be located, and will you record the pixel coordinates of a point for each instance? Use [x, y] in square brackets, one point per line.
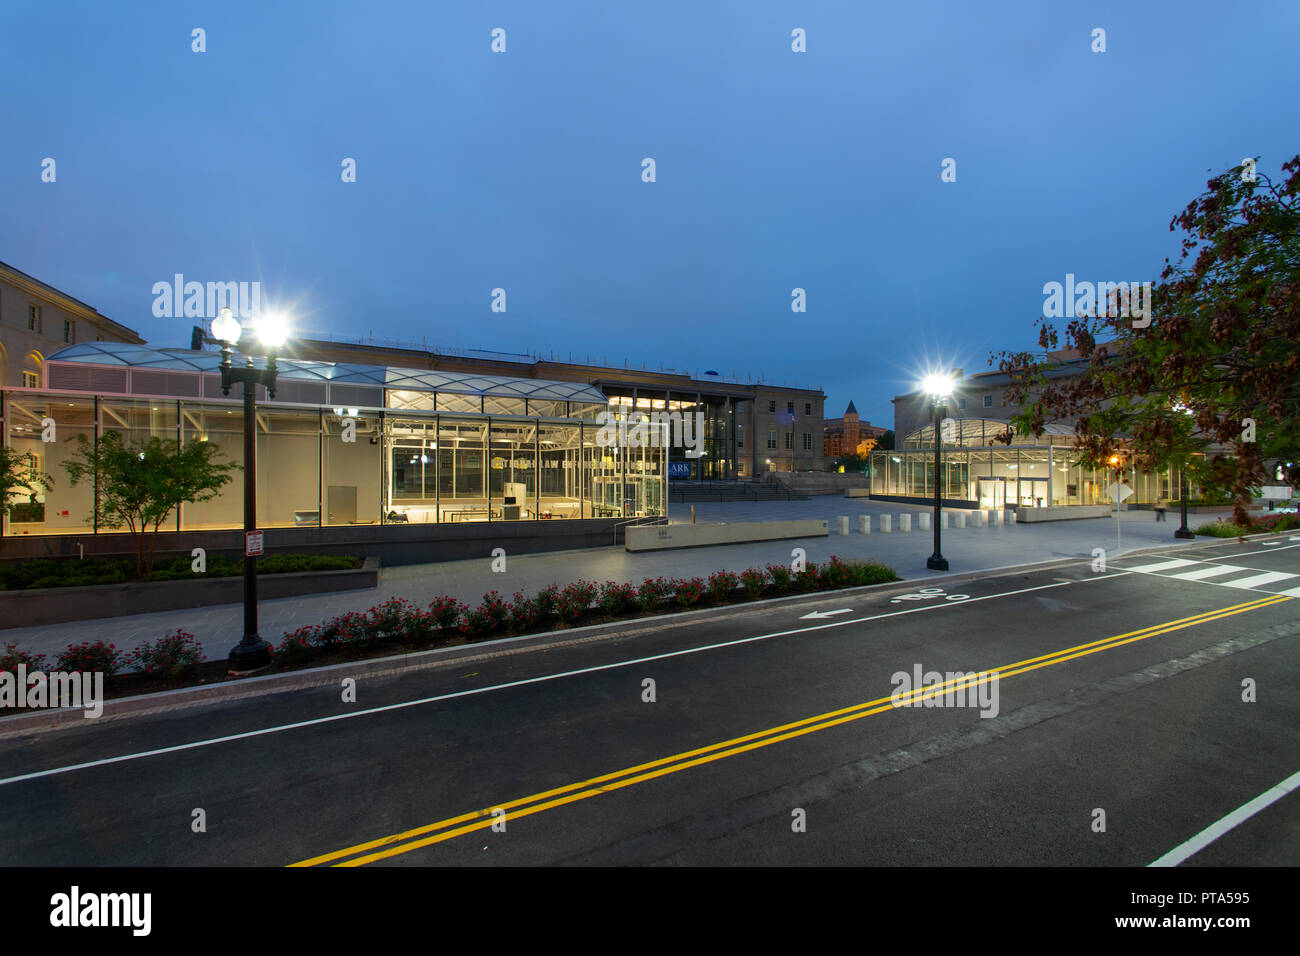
[138, 484]
[20, 474]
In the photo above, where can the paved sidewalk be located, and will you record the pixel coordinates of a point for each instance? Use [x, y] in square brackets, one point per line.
[970, 549]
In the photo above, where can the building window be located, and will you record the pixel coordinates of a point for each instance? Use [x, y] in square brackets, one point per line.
[771, 406]
[740, 436]
[988, 401]
[69, 332]
[961, 403]
[31, 380]
[789, 407]
[33, 318]
[771, 438]
[789, 440]
[807, 441]
[807, 408]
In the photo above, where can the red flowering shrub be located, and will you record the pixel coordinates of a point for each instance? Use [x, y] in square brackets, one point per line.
[175, 657]
[722, 585]
[753, 581]
[524, 613]
[651, 592]
[688, 591]
[780, 575]
[489, 617]
[90, 656]
[808, 578]
[391, 620]
[448, 614]
[12, 657]
[297, 646]
[575, 600]
[617, 598]
[547, 599]
[833, 574]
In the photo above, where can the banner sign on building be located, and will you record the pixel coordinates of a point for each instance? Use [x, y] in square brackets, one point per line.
[679, 469]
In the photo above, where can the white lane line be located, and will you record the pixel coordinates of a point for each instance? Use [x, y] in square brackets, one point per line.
[1161, 566]
[521, 683]
[1208, 572]
[1258, 580]
[1241, 554]
[1237, 817]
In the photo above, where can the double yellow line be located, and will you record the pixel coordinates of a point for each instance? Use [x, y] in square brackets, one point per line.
[453, 827]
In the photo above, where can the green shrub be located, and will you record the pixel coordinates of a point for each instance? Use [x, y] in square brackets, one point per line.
[869, 572]
[809, 578]
[547, 599]
[753, 581]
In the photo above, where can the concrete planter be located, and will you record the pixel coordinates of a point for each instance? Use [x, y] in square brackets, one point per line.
[663, 537]
[34, 607]
[1064, 513]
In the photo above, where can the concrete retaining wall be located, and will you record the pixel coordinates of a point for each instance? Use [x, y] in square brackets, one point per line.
[60, 605]
[818, 482]
[662, 537]
[1063, 513]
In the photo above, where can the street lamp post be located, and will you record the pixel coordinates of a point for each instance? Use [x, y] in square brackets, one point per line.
[939, 388]
[252, 652]
[1183, 531]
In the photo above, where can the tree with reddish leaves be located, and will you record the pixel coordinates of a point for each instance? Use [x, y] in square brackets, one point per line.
[1213, 381]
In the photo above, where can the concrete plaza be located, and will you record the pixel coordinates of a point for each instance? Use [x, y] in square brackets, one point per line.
[970, 549]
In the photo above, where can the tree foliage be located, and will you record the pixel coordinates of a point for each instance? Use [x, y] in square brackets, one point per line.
[1222, 350]
[20, 474]
[138, 484]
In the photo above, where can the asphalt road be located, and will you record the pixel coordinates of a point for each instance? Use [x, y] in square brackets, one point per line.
[1120, 733]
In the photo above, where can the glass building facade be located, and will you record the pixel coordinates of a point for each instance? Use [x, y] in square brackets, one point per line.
[1031, 472]
[338, 445]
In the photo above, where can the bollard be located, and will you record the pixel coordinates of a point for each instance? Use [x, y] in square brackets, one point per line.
[692, 514]
[1011, 517]
[843, 522]
[975, 518]
[886, 524]
[959, 517]
[996, 515]
[923, 521]
[904, 522]
[943, 520]
[864, 524]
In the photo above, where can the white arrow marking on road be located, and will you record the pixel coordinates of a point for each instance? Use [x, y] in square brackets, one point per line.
[1271, 543]
[817, 615]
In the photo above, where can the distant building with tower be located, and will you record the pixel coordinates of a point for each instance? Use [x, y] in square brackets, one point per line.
[842, 436]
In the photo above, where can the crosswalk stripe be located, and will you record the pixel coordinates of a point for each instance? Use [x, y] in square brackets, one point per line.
[1259, 579]
[1160, 566]
[1208, 572]
[1294, 592]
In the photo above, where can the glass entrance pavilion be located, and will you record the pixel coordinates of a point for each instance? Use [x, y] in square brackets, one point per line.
[1042, 472]
[339, 444]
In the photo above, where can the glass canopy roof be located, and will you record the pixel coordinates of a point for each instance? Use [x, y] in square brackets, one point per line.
[979, 432]
[427, 380]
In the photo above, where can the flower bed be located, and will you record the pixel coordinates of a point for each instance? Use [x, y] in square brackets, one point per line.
[1267, 524]
[397, 624]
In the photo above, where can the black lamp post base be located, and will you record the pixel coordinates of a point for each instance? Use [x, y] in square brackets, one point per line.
[247, 656]
[1184, 533]
[936, 562]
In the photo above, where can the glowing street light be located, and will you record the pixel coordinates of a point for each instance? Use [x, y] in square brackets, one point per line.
[938, 387]
[252, 652]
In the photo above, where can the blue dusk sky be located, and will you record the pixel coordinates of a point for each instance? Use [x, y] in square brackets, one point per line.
[522, 170]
